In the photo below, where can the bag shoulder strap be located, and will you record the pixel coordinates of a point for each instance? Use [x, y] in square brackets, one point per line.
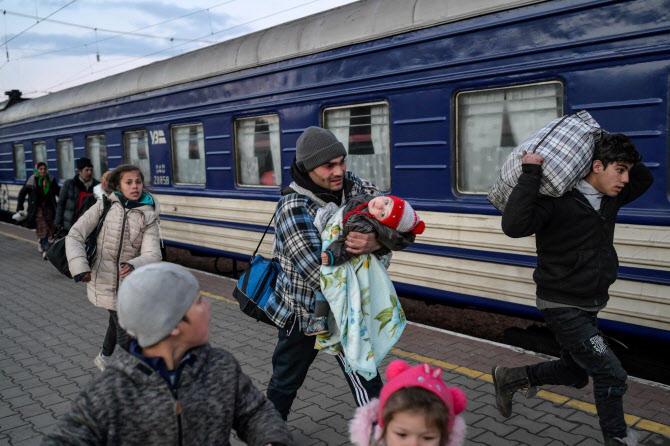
[106, 206]
[261, 241]
[287, 190]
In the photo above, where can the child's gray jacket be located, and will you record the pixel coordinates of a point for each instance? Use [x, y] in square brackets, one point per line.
[131, 404]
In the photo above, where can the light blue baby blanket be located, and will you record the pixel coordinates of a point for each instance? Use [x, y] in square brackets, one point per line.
[365, 318]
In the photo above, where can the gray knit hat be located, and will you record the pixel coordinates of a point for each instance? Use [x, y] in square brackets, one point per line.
[317, 146]
[153, 299]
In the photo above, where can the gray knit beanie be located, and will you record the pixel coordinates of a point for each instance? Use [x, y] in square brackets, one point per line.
[153, 299]
[317, 146]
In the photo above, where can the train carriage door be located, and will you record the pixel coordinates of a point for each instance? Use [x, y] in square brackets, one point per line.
[364, 131]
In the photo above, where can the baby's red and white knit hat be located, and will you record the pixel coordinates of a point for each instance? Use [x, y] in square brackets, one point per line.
[403, 218]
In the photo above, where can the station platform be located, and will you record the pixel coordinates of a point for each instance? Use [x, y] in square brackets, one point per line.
[50, 333]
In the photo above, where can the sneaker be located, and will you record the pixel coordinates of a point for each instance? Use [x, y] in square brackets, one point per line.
[317, 326]
[101, 361]
[631, 439]
[39, 248]
[44, 255]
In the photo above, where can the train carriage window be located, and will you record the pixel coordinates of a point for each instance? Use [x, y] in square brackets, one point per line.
[19, 162]
[491, 123]
[364, 131]
[257, 151]
[136, 151]
[188, 152]
[96, 148]
[65, 158]
[40, 153]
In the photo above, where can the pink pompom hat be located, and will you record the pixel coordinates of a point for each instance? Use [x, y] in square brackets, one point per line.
[399, 374]
[367, 422]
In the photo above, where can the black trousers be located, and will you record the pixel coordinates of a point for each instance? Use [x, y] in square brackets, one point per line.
[585, 353]
[115, 335]
[291, 360]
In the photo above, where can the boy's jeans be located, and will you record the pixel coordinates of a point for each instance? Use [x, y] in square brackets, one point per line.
[585, 353]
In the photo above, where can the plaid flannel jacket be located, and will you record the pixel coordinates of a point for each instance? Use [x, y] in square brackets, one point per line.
[298, 248]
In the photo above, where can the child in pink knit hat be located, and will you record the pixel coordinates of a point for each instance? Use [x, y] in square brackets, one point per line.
[415, 406]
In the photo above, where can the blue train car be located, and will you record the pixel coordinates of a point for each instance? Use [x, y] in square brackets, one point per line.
[428, 97]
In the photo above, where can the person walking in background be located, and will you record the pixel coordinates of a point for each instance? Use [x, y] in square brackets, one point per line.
[415, 408]
[72, 195]
[90, 200]
[576, 264]
[319, 177]
[129, 238]
[42, 190]
[171, 387]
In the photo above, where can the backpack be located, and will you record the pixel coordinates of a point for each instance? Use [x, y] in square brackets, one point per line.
[256, 285]
[57, 255]
[567, 145]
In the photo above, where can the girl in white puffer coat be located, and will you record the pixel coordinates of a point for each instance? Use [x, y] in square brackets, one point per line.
[128, 239]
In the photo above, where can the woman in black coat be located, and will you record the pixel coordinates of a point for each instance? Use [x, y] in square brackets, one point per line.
[42, 190]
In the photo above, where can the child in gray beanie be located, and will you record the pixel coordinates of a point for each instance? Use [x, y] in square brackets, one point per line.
[153, 302]
[171, 386]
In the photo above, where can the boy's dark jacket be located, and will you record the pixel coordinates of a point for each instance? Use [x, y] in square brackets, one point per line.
[66, 212]
[390, 239]
[131, 404]
[576, 259]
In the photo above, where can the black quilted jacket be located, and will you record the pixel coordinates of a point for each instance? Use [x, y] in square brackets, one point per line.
[68, 199]
[576, 259]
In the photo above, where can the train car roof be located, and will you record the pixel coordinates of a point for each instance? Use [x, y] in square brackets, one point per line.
[353, 23]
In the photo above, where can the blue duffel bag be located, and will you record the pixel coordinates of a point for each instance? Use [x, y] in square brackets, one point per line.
[257, 284]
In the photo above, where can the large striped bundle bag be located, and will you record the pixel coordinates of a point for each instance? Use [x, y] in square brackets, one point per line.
[566, 144]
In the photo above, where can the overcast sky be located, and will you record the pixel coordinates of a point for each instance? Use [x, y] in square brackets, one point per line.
[50, 45]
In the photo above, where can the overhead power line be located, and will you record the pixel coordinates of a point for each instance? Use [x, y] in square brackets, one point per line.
[128, 32]
[104, 30]
[181, 44]
[36, 23]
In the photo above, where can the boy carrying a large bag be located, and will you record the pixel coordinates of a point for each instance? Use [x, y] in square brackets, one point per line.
[576, 264]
